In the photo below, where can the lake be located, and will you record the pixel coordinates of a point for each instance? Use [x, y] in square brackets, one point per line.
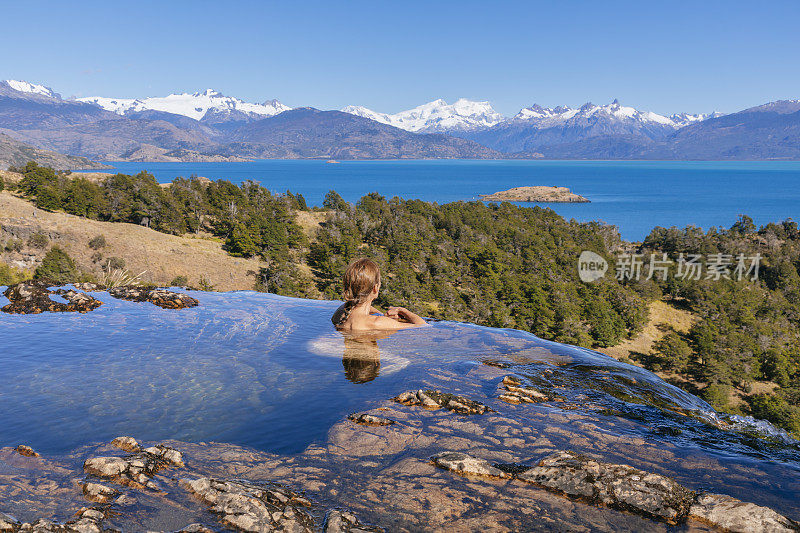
[633, 195]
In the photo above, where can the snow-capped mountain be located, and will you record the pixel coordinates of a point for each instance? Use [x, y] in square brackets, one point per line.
[536, 127]
[544, 117]
[30, 88]
[684, 119]
[197, 105]
[437, 116]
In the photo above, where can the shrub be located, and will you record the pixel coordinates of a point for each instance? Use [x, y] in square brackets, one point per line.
[671, 352]
[38, 240]
[13, 245]
[2, 183]
[10, 275]
[716, 394]
[97, 257]
[204, 285]
[116, 263]
[179, 281]
[57, 266]
[97, 242]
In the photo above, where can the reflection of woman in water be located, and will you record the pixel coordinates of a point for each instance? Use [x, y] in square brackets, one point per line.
[362, 324]
[362, 358]
[362, 282]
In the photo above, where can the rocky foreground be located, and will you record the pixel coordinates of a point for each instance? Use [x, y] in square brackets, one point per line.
[537, 193]
[377, 472]
[36, 296]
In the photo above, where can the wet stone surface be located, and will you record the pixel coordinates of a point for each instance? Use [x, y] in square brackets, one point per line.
[136, 470]
[434, 399]
[253, 508]
[368, 419]
[511, 391]
[88, 520]
[160, 297]
[26, 451]
[33, 297]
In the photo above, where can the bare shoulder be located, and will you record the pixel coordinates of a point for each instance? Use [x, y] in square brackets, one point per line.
[384, 322]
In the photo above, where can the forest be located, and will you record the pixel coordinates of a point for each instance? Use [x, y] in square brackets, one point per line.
[498, 265]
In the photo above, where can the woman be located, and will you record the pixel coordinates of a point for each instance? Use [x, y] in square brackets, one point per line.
[362, 282]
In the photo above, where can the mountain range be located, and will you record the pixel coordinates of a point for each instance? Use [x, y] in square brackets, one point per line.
[210, 126]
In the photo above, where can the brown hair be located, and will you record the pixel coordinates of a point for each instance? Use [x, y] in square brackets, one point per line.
[359, 279]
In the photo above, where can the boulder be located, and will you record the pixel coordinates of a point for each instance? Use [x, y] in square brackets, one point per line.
[33, 297]
[27, 451]
[129, 444]
[136, 470]
[337, 521]
[434, 399]
[253, 508]
[160, 297]
[730, 514]
[620, 486]
[367, 419]
[464, 464]
[98, 493]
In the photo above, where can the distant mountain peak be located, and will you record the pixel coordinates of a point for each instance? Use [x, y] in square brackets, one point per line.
[31, 88]
[436, 116]
[206, 104]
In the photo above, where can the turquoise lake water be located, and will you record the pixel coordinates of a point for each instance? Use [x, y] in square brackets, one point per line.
[633, 195]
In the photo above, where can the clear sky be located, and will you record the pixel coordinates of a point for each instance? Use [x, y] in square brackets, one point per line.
[663, 56]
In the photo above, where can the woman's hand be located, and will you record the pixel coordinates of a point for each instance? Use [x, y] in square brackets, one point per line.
[401, 313]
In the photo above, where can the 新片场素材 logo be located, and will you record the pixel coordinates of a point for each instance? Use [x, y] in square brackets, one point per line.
[591, 266]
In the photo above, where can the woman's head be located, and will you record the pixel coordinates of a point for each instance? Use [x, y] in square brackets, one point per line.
[361, 279]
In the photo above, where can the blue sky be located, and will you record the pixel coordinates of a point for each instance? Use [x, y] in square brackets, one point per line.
[661, 56]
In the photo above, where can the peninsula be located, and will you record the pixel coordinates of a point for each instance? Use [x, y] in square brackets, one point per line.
[538, 193]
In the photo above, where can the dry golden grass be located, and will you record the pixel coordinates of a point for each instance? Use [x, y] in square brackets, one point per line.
[162, 256]
[660, 313]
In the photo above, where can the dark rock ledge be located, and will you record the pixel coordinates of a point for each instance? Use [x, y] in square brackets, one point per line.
[160, 297]
[88, 520]
[136, 470]
[33, 297]
[626, 488]
[260, 508]
[433, 399]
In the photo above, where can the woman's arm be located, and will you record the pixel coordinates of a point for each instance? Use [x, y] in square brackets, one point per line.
[405, 314]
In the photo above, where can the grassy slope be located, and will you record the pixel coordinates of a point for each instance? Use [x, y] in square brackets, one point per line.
[163, 256]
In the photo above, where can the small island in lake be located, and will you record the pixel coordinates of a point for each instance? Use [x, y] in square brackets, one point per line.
[538, 193]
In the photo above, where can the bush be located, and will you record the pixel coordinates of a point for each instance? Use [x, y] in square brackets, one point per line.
[670, 353]
[97, 257]
[2, 183]
[179, 281]
[716, 395]
[57, 266]
[115, 263]
[777, 410]
[13, 245]
[38, 240]
[10, 275]
[97, 242]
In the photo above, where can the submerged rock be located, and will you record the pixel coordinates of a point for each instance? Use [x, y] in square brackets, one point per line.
[730, 514]
[129, 444]
[27, 451]
[251, 507]
[160, 297]
[464, 464]
[370, 420]
[343, 522]
[88, 520]
[431, 399]
[33, 297]
[138, 469]
[619, 486]
[512, 391]
[98, 493]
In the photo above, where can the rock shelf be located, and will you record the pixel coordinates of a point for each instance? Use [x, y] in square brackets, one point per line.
[432, 399]
[629, 489]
